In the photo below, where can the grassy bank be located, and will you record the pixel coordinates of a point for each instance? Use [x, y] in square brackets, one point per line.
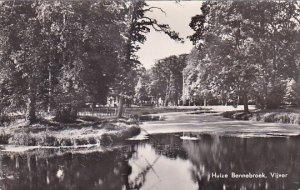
[86, 130]
[286, 115]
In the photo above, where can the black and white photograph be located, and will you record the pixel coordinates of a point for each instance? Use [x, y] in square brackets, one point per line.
[149, 94]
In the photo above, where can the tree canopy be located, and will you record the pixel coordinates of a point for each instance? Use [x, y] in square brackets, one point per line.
[163, 81]
[248, 48]
[55, 53]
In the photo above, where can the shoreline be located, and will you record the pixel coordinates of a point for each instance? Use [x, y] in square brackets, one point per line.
[283, 116]
[96, 131]
[52, 134]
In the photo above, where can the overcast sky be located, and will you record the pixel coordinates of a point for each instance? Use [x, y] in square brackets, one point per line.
[178, 16]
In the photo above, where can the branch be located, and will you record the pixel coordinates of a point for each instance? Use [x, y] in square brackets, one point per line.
[296, 19]
[150, 9]
[145, 17]
[156, 27]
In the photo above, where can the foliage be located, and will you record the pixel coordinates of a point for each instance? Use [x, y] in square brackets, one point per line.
[277, 117]
[165, 80]
[57, 53]
[292, 93]
[142, 88]
[137, 25]
[249, 48]
[195, 85]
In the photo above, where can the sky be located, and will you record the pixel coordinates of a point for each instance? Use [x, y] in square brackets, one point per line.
[178, 16]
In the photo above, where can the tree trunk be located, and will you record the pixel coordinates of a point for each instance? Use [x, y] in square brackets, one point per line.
[31, 104]
[50, 80]
[184, 102]
[120, 107]
[50, 89]
[32, 93]
[166, 103]
[245, 101]
[176, 102]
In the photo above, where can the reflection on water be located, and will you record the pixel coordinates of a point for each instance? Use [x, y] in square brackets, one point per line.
[162, 162]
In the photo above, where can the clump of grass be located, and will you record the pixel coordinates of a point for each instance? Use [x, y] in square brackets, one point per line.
[278, 117]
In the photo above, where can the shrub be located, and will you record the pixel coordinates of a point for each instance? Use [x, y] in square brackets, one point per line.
[239, 115]
[268, 117]
[5, 120]
[274, 117]
[4, 138]
[66, 114]
[23, 138]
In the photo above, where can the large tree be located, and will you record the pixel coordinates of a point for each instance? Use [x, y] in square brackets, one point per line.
[58, 54]
[21, 54]
[251, 47]
[137, 25]
[167, 79]
[196, 87]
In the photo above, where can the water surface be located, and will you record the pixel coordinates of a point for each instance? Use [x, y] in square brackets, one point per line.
[164, 161]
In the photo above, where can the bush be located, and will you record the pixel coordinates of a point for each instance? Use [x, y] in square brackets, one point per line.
[32, 139]
[239, 115]
[4, 138]
[269, 117]
[23, 138]
[66, 114]
[5, 120]
[277, 117]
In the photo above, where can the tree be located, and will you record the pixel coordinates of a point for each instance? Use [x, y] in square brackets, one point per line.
[82, 36]
[290, 96]
[167, 80]
[195, 84]
[89, 58]
[59, 53]
[138, 24]
[142, 88]
[22, 54]
[242, 41]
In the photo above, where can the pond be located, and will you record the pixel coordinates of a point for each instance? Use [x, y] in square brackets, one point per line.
[164, 161]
